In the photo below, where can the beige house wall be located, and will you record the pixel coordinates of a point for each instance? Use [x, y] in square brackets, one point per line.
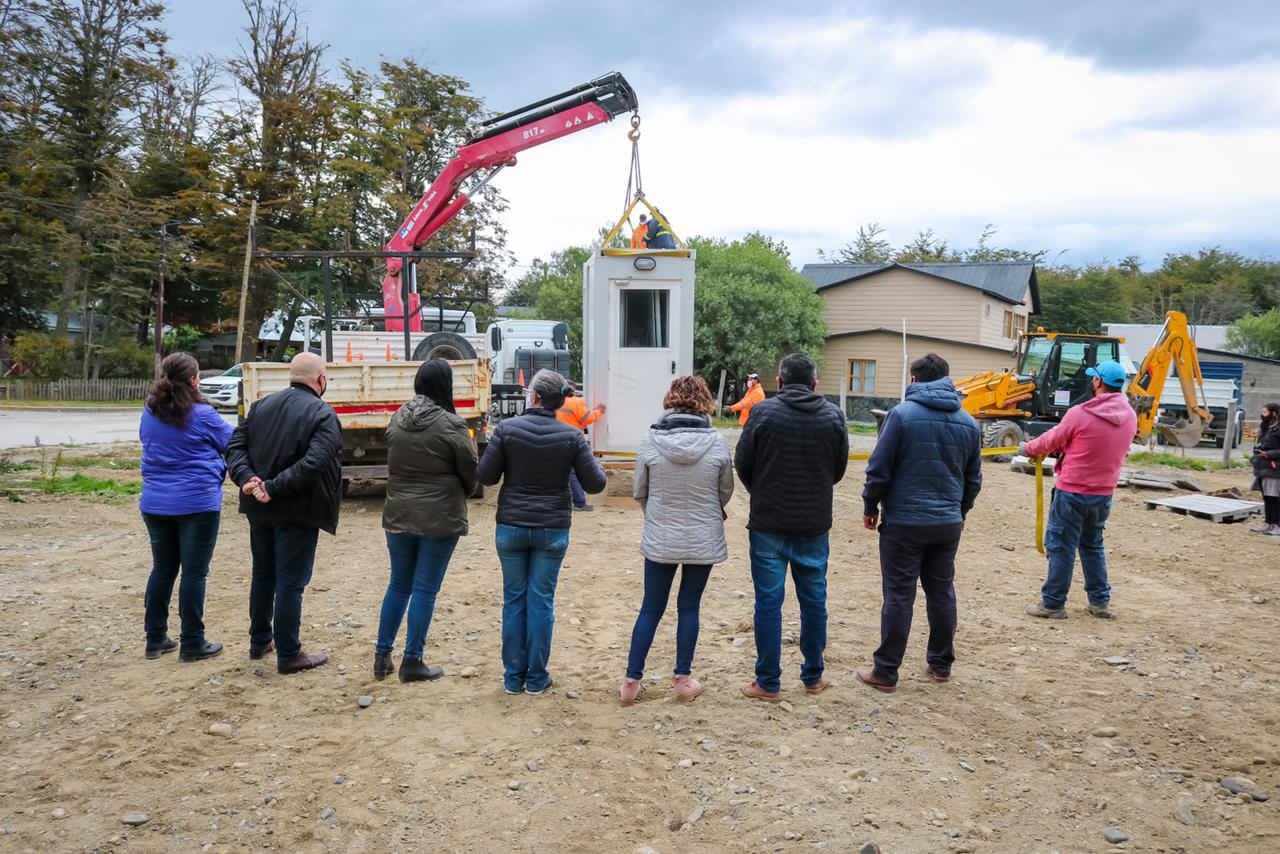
[886, 350]
[991, 327]
[931, 306]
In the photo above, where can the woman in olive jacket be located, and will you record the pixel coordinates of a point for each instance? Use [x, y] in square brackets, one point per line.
[431, 469]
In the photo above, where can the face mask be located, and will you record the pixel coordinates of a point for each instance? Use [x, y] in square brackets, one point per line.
[324, 385]
[528, 398]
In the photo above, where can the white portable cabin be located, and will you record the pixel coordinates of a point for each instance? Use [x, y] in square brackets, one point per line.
[637, 335]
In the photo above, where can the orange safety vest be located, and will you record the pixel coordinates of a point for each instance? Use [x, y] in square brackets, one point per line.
[743, 407]
[574, 413]
[638, 235]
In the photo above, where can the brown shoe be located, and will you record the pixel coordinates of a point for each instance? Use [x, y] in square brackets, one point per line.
[818, 687]
[940, 678]
[257, 653]
[302, 661]
[867, 677]
[755, 692]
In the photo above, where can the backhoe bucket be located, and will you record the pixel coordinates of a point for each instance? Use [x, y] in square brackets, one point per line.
[1185, 434]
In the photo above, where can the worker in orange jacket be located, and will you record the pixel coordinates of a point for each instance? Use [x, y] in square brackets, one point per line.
[755, 394]
[640, 234]
[574, 413]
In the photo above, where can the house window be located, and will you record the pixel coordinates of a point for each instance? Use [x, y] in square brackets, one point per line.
[1014, 324]
[645, 318]
[862, 376]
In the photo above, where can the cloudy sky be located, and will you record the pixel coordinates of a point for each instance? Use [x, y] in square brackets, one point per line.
[1091, 129]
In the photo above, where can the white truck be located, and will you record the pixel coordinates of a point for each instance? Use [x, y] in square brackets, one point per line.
[366, 394]
[520, 348]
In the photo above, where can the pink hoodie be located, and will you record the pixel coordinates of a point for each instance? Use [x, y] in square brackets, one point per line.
[1094, 438]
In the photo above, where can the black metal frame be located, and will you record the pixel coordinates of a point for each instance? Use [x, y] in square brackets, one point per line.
[408, 261]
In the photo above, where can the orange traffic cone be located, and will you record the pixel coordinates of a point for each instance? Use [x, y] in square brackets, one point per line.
[522, 378]
[348, 352]
[388, 352]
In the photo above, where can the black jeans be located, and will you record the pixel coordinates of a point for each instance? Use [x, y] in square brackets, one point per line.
[283, 556]
[908, 553]
[1271, 510]
[184, 542]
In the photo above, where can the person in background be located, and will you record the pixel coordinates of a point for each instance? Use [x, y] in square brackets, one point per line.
[286, 457]
[1093, 440]
[658, 235]
[791, 454]
[183, 439]
[575, 414]
[431, 469]
[532, 455]
[683, 480]
[640, 233]
[922, 480]
[754, 395]
[1266, 469]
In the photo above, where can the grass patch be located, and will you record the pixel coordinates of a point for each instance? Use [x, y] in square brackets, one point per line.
[8, 465]
[51, 481]
[862, 429]
[1178, 461]
[105, 461]
[79, 484]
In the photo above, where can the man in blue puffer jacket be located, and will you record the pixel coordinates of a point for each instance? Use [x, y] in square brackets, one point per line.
[922, 479]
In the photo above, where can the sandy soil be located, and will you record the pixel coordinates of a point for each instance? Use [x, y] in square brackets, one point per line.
[1037, 745]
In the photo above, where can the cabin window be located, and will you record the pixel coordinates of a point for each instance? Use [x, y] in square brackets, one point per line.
[645, 318]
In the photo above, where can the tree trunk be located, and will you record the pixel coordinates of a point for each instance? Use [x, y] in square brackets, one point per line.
[286, 331]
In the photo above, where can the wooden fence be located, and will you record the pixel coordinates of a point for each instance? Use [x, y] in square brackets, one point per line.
[74, 390]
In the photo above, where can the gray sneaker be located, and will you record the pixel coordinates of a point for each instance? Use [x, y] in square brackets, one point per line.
[1102, 612]
[1039, 610]
[1274, 532]
[1262, 529]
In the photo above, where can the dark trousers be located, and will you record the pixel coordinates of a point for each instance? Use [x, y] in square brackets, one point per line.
[657, 588]
[283, 556]
[576, 491]
[179, 542]
[1271, 510]
[908, 553]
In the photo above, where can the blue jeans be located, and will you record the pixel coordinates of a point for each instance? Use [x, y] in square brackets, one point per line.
[418, 564]
[657, 587]
[531, 559]
[770, 554]
[179, 542]
[283, 556]
[1075, 524]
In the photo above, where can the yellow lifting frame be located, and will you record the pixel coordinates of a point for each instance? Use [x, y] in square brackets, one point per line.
[682, 252]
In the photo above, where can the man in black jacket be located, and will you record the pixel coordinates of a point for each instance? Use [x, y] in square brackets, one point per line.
[287, 460]
[792, 452]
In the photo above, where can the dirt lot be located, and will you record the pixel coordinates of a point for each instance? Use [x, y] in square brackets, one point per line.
[1037, 745]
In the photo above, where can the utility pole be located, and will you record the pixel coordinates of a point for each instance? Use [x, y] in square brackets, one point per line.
[164, 253]
[244, 280]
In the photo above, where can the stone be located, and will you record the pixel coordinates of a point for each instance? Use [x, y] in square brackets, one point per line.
[784, 751]
[1106, 732]
[869, 848]
[531, 765]
[685, 763]
[364, 701]
[1116, 660]
[59, 813]
[14, 724]
[467, 672]
[859, 774]
[645, 849]
[327, 813]
[1184, 815]
[135, 819]
[573, 695]
[513, 785]
[966, 766]
[1115, 835]
[221, 729]
[695, 814]
[339, 780]
[786, 707]
[1236, 785]
[708, 745]
[791, 834]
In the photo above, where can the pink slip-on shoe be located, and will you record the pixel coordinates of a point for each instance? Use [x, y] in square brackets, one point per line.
[687, 688]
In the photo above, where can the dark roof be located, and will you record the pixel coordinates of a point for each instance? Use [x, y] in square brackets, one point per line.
[1007, 281]
[1240, 356]
[910, 334]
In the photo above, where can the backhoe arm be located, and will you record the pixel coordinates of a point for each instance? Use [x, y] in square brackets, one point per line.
[1175, 348]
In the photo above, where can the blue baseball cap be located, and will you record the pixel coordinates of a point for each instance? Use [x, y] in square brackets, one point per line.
[1111, 374]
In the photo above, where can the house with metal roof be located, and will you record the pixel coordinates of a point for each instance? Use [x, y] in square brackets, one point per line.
[880, 317]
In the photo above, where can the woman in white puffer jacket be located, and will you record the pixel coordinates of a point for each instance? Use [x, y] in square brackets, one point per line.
[683, 480]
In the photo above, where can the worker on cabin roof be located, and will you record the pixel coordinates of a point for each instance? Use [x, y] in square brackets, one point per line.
[640, 232]
[658, 236]
[755, 394]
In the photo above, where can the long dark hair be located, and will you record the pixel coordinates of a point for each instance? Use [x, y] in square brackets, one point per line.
[172, 395]
[434, 381]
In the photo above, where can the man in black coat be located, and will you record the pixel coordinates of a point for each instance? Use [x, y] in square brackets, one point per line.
[287, 460]
[792, 452]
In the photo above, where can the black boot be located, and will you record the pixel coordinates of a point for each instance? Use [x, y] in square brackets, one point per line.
[155, 650]
[416, 670]
[200, 653]
[383, 666]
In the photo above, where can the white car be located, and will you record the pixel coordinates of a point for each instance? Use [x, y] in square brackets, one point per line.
[223, 390]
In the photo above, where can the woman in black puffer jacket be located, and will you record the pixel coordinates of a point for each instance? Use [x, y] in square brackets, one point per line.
[1266, 468]
[431, 469]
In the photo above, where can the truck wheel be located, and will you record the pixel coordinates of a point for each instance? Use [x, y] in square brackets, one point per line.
[1002, 434]
[444, 345]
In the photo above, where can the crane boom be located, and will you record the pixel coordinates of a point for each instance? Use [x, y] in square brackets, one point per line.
[1174, 348]
[502, 137]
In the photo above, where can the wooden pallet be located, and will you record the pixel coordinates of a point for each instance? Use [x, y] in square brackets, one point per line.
[1208, 507]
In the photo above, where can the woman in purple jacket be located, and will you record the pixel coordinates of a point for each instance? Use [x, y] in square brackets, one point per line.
[183, 439]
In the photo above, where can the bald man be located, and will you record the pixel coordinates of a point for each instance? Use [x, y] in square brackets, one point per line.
[286, 457]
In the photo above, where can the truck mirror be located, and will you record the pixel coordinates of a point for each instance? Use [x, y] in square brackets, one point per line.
[495, 338]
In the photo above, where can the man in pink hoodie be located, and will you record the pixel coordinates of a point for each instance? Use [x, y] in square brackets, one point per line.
[1092, 442]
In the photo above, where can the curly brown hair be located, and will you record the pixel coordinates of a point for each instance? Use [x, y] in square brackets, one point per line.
[689, 394]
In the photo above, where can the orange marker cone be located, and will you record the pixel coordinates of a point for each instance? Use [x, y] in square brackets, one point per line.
[522, 378]
[388, 352]
[348, 352]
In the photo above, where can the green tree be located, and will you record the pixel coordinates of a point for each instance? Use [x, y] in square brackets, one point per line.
[45, 357]
[1082, 299]
[750, 308]
[1256, 335]
[869, 247]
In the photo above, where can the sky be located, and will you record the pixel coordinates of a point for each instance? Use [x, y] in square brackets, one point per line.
[1093, 130]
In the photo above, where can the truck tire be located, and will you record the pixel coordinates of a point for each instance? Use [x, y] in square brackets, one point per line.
[1002, 434]
[444, 345]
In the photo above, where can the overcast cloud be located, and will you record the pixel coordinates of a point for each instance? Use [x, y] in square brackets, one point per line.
[1091, 129]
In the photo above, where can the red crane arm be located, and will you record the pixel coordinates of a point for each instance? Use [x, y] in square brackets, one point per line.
[504, 136]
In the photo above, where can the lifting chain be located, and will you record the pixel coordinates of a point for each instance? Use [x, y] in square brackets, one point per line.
[633, 173]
